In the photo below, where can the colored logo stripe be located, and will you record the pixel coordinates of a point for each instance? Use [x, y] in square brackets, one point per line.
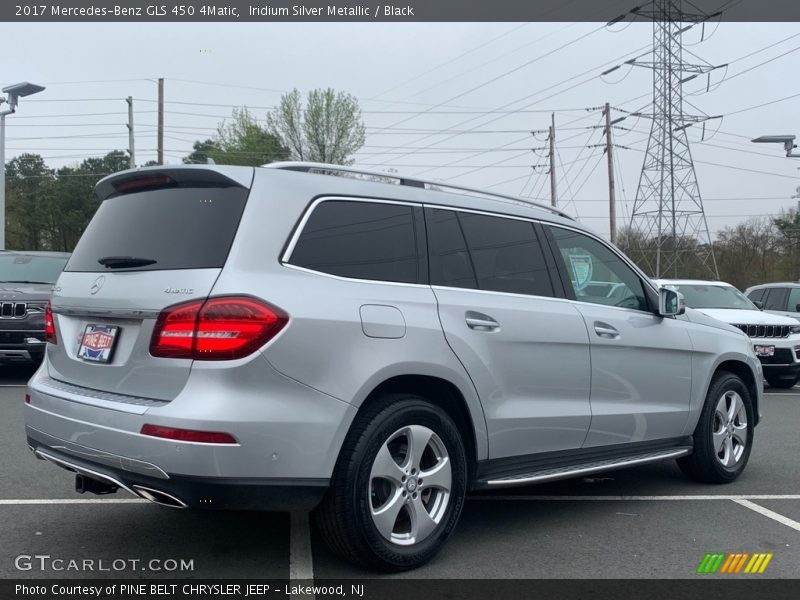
[720, 562]
[711, 563]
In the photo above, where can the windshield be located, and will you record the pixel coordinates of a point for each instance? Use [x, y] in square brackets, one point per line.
[22, 268]
[713, 296]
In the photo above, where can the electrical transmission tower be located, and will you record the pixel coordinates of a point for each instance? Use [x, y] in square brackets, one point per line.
[668, 233]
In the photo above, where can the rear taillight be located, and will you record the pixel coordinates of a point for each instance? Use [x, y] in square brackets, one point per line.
[221, 328]
[188, 435]
[49, 325]
[27, 398]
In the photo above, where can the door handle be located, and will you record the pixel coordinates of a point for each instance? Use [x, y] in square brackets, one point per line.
[604, 330]
[480, 322]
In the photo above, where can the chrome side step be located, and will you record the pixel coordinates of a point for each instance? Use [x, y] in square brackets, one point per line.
[587, 468]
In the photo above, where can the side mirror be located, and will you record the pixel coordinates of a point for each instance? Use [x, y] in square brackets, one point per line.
[759, 304]
[797, 308]
[670, 303]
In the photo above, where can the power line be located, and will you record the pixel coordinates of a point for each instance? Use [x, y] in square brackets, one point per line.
[539, 92]
[504, 74]
[450, 61]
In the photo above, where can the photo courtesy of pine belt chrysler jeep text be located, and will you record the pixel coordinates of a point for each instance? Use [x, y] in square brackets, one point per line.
[317, 337]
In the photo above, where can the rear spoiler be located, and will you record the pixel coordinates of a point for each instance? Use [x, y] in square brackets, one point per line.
[173, 176]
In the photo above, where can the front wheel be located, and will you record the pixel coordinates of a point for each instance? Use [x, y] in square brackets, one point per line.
[723, 437]
[398, 487]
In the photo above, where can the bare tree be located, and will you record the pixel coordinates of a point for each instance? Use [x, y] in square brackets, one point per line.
[328, 129]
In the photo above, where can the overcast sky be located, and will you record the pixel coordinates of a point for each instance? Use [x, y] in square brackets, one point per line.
[501, 81]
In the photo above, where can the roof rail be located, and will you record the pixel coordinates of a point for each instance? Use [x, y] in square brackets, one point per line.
[307, 167]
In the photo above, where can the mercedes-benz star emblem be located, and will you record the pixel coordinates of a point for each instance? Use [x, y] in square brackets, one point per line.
[98, 283]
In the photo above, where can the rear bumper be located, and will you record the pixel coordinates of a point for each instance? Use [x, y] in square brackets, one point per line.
[182, 491]
[286, 433]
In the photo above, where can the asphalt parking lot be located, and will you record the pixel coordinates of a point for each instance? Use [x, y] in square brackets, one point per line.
[637, 523]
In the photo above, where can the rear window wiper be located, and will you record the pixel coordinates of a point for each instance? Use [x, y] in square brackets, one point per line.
[26, 281]
[122, 262]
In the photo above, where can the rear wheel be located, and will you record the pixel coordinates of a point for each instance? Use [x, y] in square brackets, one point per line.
[398, 487]
[724, 434]
[783, 382]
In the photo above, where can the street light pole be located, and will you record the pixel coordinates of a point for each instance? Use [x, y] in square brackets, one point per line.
[3, 114]
[15, 92]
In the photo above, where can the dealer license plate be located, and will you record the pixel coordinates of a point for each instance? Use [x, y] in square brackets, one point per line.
[97, 344]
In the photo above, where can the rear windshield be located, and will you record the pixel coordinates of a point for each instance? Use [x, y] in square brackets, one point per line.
[173, 228]
[22, 268]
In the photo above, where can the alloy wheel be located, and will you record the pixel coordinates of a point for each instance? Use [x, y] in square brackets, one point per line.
[409, 485]
[729, 430]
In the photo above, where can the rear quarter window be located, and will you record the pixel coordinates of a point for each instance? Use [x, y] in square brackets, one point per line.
[361, 240]
[178, 228]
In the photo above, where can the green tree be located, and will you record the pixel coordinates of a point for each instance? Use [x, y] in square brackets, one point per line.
[201, 152]
[328, 129]
[30, 191]
[48, 209]
[240, 141]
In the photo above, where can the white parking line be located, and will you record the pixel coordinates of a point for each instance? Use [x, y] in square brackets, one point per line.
[301, 561]
[768, 513]
[644, 498]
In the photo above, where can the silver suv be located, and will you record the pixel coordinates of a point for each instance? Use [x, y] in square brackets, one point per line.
[283, 338]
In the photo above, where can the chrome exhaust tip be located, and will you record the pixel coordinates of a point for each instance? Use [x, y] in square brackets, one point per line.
[159, 497]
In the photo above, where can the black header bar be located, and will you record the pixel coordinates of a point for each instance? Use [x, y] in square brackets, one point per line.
[392, 11]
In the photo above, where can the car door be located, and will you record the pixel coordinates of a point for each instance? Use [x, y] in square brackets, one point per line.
[641, 362]
[777, 301]
[783, 301]
[526, 351]
[793, 305]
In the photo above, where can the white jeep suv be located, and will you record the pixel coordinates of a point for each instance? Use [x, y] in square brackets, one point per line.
[776, 338]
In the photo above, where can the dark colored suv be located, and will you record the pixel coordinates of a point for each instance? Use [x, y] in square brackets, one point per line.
[26, 280]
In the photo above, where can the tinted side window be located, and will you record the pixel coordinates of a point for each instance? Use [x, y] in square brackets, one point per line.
[450, 263]
[362, 240]
[596, 273]
[506, 255]
[777, 299]
[794, 300]
[756, 295]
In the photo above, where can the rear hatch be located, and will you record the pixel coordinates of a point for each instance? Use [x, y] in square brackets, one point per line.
[160, 237]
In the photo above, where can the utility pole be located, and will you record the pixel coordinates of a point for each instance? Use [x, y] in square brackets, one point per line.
[553, 195]
[612, 203]
[131, 149]
[161, 120]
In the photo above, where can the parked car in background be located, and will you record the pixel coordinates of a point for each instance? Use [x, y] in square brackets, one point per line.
[283, 339]
[777, 298]
[775, 337]
[26, 281]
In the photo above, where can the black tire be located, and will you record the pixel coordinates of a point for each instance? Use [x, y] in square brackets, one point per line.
[344, 517]
[704, 464]
[783, 382]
